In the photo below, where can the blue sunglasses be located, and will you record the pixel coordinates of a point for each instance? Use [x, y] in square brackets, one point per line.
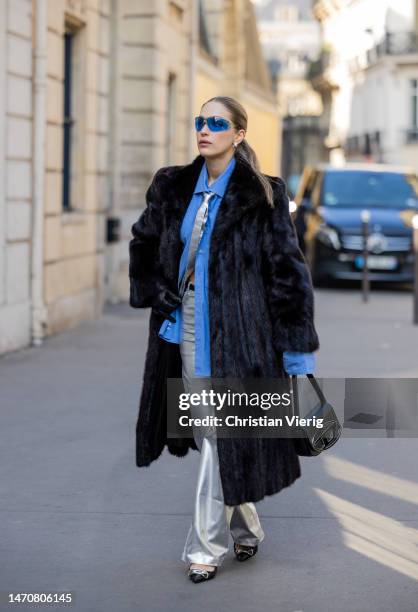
[215, 124]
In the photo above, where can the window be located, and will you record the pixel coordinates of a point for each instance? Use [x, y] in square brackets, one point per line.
[368, 188]
[68, 121]
[414, 105]
[73, 117]
[367, 150]
[287, 13]
[210, 12]
[353, 144]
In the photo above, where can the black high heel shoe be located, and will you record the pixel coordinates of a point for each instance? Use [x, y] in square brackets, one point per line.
[245, 552]
[199, 574]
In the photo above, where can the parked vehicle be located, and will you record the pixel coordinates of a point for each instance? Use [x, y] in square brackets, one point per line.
[292, 184]
[329, 202]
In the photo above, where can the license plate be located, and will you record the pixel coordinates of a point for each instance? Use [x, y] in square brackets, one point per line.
[377, 262]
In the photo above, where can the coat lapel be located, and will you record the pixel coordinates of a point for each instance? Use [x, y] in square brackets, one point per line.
[243, 193]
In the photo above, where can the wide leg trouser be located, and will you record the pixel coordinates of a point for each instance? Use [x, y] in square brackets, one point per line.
[208, 537]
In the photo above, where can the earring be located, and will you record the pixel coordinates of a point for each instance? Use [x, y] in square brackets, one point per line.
[235, 145]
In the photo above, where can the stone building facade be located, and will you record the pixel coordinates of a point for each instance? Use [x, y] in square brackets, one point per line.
[95, 96]
[367, 76]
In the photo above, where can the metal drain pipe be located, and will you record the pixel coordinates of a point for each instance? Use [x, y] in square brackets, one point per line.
[38, 312]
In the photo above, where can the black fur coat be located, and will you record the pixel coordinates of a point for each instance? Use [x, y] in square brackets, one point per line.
[260, 305]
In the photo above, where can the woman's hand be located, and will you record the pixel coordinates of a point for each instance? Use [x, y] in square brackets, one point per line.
[165, 302]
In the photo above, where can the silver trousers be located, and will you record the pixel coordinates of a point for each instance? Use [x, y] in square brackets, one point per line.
[207, 540]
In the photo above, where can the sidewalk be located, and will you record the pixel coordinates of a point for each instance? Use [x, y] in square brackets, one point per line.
[78, 515]
[371, 339]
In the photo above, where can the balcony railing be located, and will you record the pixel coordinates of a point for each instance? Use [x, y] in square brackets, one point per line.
[369, 143]
[394, 43]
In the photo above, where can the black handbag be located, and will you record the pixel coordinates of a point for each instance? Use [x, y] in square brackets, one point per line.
[313, 439]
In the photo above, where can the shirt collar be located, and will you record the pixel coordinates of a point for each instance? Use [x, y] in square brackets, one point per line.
[220, 184]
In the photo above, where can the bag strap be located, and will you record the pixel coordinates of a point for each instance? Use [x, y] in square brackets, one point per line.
[317, 388]
[315, 385]
[197, 232]
[295, 395]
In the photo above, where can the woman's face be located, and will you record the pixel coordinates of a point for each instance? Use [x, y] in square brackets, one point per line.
[213, 144]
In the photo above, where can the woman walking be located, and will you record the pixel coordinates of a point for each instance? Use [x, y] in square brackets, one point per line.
[215, 255]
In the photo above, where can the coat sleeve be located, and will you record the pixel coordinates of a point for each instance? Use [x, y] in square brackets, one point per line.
[287, 279]
[144, 269]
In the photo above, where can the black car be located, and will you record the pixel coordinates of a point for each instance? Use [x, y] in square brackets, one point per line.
[330, 201]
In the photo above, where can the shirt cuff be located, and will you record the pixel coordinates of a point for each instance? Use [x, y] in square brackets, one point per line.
[299, 363]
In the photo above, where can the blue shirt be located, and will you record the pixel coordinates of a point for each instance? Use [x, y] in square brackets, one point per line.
[294, 362]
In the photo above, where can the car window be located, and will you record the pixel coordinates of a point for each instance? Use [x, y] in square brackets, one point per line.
[364, 188]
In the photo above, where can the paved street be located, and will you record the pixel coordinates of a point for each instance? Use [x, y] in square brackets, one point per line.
[78, 515]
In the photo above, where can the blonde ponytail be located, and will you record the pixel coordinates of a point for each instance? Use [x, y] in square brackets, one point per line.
[244, 151]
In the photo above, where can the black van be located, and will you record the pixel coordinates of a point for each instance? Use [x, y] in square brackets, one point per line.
[330, 201]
